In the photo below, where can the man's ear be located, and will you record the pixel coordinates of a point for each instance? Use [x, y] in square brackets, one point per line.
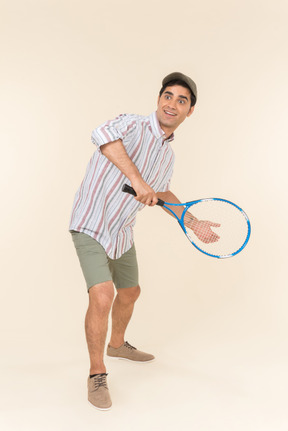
[158, 98]
[191, 111]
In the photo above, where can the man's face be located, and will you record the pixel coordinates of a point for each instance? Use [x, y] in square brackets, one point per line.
[173, 108]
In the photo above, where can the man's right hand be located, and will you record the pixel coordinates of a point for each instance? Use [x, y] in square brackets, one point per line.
[145, 194]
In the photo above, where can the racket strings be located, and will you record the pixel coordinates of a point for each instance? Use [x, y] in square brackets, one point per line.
[202, 228]
[221, 229]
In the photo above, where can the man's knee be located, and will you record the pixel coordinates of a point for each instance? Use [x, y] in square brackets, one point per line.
[101, 296]
[129, 294]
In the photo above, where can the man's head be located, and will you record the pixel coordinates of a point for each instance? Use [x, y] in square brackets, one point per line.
[176, 101]
[177, 78]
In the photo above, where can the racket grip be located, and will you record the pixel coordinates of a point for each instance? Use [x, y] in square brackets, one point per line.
[131, 191]
[128, 189]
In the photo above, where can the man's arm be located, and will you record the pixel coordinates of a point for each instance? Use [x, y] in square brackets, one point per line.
[116, 153]
[201, 228]
[170, 197]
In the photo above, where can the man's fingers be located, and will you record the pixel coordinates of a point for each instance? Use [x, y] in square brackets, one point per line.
[147, 197]
[153, 201]
[204, 232]
[214, 224]
[147, 200]
[209, 239]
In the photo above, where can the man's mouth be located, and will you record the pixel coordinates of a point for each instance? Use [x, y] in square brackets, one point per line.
[170, 113]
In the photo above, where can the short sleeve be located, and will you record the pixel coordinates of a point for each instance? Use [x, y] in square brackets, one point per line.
[112, 130]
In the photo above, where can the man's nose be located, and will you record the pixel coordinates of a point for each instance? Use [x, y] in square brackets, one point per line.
[172, 103]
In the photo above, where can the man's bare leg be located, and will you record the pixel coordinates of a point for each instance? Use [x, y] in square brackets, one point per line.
[121, 313]
[96, 323]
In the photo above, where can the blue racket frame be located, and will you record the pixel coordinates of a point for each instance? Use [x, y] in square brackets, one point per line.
[187, 205]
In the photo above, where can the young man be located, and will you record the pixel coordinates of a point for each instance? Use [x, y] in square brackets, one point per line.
[136, 150]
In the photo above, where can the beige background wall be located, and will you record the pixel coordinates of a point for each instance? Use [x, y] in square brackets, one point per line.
[67, 66]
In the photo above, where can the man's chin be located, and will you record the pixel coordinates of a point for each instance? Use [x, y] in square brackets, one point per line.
[168, 123]
[165, 119]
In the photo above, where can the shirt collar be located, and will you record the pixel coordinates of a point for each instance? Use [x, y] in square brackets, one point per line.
[156, 129]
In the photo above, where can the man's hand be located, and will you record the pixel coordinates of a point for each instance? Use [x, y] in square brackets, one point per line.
[202, 228]
[145, 194]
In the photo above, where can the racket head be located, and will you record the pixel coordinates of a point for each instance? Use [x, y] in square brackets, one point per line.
[234, 232]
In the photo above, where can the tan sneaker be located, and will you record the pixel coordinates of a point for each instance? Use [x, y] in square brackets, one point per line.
[126, 351]
[98, 393]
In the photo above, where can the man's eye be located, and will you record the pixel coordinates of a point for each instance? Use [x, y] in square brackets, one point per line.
[181, 102]
[167, 97]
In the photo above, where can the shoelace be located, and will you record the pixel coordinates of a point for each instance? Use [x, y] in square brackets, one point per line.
[99, 381]
[129, 346]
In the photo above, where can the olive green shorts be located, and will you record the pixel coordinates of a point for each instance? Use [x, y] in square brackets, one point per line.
[97, 267]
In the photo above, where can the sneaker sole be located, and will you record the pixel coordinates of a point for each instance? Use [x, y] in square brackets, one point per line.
[131, 360]
[104, 409]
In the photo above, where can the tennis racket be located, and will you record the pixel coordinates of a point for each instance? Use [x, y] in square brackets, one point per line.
[226, 236]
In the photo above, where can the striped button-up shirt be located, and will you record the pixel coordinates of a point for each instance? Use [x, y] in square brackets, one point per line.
[100, 208]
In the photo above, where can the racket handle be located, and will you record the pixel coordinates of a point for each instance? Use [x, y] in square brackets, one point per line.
[128, 189]
[131, 191]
